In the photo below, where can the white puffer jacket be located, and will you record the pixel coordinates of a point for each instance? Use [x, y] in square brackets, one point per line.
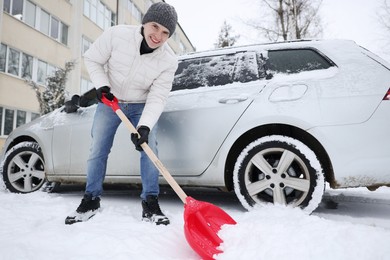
[114, 60]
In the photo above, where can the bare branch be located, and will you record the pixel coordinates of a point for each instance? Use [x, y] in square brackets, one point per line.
[290, 19]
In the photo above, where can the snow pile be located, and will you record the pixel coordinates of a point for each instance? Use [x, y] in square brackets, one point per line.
[275, 232]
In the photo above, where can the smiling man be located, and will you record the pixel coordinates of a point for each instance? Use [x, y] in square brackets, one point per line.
[136, 65]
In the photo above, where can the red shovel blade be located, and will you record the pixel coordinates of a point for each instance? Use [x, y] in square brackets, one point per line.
[202, 221]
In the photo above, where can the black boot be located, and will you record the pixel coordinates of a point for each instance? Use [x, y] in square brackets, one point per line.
[151, 211]
[86, 210]
[88, 204]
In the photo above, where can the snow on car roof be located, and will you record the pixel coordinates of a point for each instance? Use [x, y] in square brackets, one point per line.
[338, 50]
[271, 46]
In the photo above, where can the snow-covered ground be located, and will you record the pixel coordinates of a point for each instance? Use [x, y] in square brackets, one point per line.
[32, 227]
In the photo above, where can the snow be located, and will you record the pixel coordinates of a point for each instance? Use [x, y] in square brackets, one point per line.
[289, 232]
[56, 117]
[33, 227]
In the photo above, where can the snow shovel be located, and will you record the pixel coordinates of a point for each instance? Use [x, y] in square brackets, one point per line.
[202, 220]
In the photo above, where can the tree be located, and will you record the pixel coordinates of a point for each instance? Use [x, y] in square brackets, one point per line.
[289, 19]
[384, 15]
[225, 38]
[53, 95]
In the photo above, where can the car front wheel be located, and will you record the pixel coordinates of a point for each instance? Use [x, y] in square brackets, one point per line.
[280, 170]
[24, 168]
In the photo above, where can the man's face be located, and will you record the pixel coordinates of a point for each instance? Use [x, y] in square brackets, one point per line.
[155, 34]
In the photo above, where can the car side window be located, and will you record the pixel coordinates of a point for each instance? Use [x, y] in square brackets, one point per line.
[204, 71]
[296, 60]
[215, 71]
[247, 67]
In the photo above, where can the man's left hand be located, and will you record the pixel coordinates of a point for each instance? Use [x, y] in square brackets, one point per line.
[143, 137]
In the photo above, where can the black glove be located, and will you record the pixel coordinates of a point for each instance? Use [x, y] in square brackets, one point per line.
[89, 98]
[106, 91]
[72, 105]
[144, 134]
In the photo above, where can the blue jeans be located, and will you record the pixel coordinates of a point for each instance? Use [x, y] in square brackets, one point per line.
[104, 127]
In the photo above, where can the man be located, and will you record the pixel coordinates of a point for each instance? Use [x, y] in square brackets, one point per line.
[136, 65]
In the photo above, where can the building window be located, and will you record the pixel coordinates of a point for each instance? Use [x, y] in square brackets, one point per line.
[58, 30]
[34, 116]
[37, 18]
[45, 70]
[27, 66]
[8, 121]
[17, 9]
[14, 8]
[99, 13]
[93, 10]
[7, 6]
[30, 14]
[45, 22]
[113, 19]
[64, 34]
[51, 70]
[13, 62]
[42, 72]
[20, 118]
[87, 8]
[85, 85]
[13, 118]
[108, 18]
[85, 45]
[3, 57]
[182, 47]
[54, 28]
[1, 121]
[22, 65]
[135, 12]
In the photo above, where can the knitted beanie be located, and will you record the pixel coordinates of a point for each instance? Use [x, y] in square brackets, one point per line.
[163, 14]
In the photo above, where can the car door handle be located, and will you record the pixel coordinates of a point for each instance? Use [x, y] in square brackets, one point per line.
[232, 100]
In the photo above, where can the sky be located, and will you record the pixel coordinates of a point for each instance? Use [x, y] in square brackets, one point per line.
[356, 20]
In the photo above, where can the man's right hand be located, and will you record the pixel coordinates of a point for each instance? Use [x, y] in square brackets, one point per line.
[104, 91]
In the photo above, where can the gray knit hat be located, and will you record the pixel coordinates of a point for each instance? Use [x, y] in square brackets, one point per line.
[163, 14]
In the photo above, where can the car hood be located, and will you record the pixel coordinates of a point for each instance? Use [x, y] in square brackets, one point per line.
[47, 121]
[37, 127]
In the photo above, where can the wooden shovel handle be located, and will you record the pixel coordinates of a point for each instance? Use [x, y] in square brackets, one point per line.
[152, 156]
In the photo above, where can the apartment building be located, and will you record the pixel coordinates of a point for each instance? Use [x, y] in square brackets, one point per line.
[39, 36]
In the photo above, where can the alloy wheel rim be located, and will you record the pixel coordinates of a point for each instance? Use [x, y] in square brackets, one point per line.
[26, 171]
[278, 176]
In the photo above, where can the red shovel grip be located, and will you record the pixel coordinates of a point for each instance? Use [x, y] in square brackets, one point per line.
[111, 103]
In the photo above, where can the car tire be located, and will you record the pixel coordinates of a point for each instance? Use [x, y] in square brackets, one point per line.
[23, 168]
[280, 170]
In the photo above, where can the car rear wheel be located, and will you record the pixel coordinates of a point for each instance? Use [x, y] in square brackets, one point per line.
[24, 168]
[280, 170]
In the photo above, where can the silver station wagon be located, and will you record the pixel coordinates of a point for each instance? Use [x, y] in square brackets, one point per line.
[271, 122]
